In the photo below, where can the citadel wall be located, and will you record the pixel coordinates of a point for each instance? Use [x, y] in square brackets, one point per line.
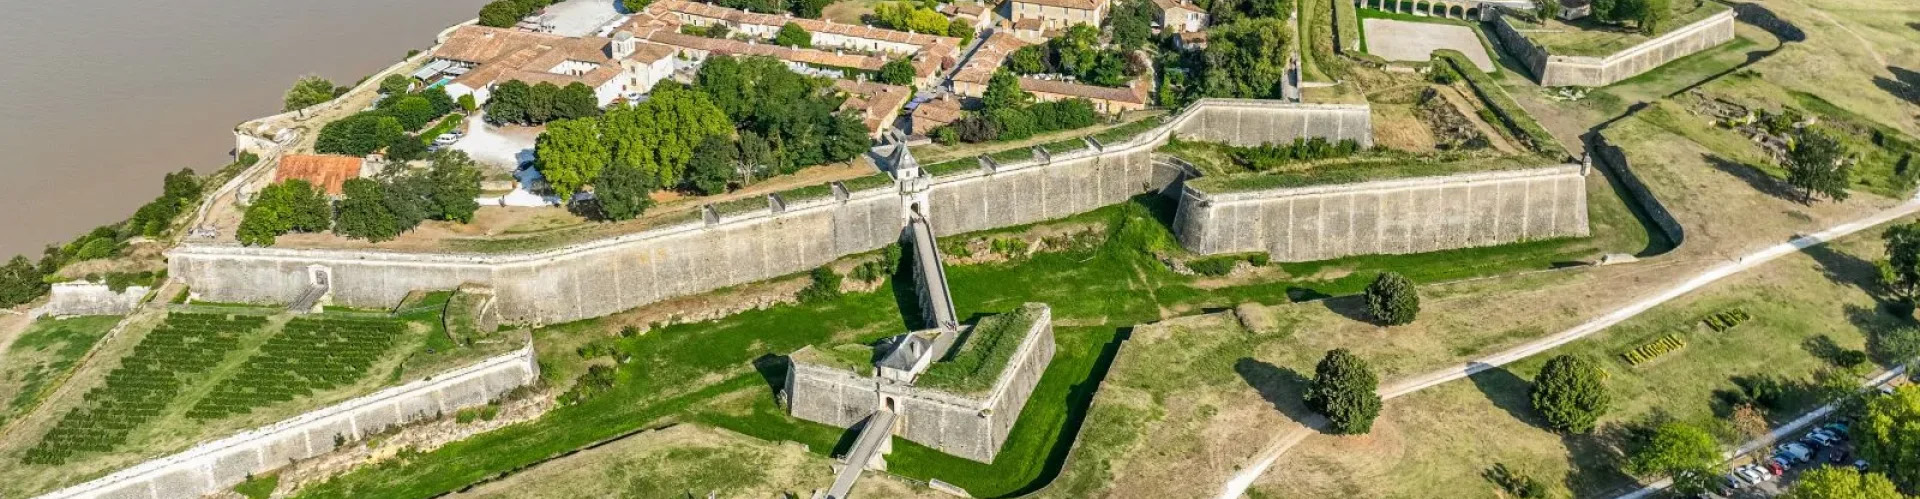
[1387, 217]
[1587, 71]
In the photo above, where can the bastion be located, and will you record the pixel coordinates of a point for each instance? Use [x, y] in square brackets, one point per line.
[1588, 71]
[962, 402]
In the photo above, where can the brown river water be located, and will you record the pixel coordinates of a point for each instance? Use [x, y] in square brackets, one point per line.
[98, 99]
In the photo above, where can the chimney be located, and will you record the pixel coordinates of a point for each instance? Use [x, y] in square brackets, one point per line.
[623, 44]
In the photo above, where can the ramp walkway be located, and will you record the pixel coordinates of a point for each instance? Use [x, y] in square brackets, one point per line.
[308, 299]
[873, 437]
[936, 301]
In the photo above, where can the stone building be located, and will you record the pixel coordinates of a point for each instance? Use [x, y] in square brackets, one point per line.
[961, 397]
[1059, 14]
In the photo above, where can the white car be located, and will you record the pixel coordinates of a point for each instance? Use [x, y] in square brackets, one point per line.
[446, 139]
[1799, 453]
[1753, 474]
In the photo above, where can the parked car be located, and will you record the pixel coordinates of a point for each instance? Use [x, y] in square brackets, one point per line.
[1732, 481]
[1799, 453]
[1860, 464]
[1778, 465]
[446, 139]
[1754, 474]
[1839, 429]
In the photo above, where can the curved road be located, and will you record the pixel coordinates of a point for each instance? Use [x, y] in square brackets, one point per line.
[1238, 485]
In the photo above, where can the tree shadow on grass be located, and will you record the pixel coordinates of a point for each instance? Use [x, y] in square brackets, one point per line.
[1281, 387]
[1761, 17]
[1905, 84]
[1596, 460]
[1509, 393]
[1350, 306]
[1845, 268]
[906, 292]
[1759, 180]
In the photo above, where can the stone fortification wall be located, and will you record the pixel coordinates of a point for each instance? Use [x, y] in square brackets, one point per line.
[587, 280]
[1560, 70]
[1033, 191]
[218, 465]
[974, 427]
[86, 298]
[1253, 122]
[1614, 160]
[1391, 216]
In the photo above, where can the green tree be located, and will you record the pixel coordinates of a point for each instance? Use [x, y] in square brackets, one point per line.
[1888, 436]
[633, 6]
[1246, 59]
[1841, 483]
[468, 104]
[1013, 123]
[576, 100]
[623, 193]
[962, 31]
[509, 102]
[896, 72]
[501, 13]
[1031, 59]
[1003, 92]
[1571, 393]
[712, 165]
[360, 134]
[438, 98]
[792, 35]
[291, 206]
[308, 91]
[1816, 166]
[1653, 15]
[395, 84]
[364, 213]
[810, 9]
[20, 282]
[406, 150]
[413, 112]
[658, 136]
[1900, 272]
[570, 155]
[1344, 390]
[1392, 300]
[1682, 451]
[1131, 24]
[455, 181]
[1548, 9]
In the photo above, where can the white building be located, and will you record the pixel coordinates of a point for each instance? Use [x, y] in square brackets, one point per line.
[476, 58]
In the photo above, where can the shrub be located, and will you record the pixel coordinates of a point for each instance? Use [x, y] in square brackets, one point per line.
[1516, 484]
[1570, 394]
[1726, 319]
[1647, 352]
[1392, 299]
[826, 285]
[1344, 390]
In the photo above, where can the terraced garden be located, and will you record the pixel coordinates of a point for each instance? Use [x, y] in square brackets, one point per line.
[310, 355]
[135, 393]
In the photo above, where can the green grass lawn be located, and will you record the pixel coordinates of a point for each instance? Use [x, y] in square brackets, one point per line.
[1803, 308]
[45, 352]
[1589, 37]
[722, 373]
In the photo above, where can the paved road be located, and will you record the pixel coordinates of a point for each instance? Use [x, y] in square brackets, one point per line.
[1238, 485]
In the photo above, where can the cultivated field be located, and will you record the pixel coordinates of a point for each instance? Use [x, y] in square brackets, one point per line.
[42, 355]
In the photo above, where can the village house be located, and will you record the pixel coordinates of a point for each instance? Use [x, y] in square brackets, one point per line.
[933, 114]
[475, 58]
[1059, 14]
[847, 51]
[971, 80]
[879, 104]
[1179, 16]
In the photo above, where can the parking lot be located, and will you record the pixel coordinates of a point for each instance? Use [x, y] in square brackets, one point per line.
[1770, 473]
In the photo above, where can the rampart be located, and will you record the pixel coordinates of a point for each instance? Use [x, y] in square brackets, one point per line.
[609, 275]
[973, 427]
[1390, 216]
[1560, 70]
[88, 298]
[218, 465]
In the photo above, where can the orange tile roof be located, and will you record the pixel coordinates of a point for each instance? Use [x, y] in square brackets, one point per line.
[1068, 4]
[325, 172]
[510, 54]
[878, 103]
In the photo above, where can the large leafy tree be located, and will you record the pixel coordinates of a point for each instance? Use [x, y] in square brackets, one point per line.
[712, 165]
[1901, 271]
[308, 91]
[509, 102]
[1003, 92]
[1841, 483]
[1889, 436]
[658, 136]
[455, 182]
[1682, 451]
[1815, 166]
[1245, 59]
[1344, 390]
[1654, 14]
[360, 134]
[623, 193]
[1392, 300]
[570, 155]
[291, 206]
[1131, 24]
[365, 212]
[20, 282]
[896, 72]
[1571, 393]
[792, 35]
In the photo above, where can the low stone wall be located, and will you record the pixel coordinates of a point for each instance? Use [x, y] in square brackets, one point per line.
[219, 465]
[1559, 70]
[86, 298]
[966, 426]
[1387, 217]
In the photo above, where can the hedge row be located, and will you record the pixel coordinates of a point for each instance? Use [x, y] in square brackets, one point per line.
[1648, 351]
[1511, 114]
[1727, 319]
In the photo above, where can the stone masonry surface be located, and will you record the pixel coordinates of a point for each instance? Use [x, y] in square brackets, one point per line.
[220, 464]
[965, 426]
[1559, 70]
[1393, 216]
[605, 276]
